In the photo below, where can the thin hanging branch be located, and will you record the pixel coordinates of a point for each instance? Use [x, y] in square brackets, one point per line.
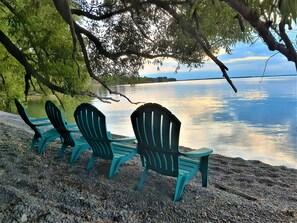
[59, 99]
[62, 6]
[3, 80]
[90, 71]
[266, 65]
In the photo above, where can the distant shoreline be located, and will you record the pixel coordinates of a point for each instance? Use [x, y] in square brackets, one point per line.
[216, 78]
[219, 78]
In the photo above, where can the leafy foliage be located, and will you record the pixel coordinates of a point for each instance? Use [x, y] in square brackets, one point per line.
[288, 10]
[41, 34]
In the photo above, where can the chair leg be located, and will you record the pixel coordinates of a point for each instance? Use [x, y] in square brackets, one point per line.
[180, 185]
[142, 179]
[91, 162]
[142, 161]
[115, 164]
[77, 150]
[73, 155]
[42, 144]
[204, 170]
[34, 142]
[61, 152]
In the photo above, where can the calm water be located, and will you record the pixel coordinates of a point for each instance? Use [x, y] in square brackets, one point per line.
[258, 123]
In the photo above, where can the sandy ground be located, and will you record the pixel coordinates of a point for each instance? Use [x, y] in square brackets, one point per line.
[37, 188]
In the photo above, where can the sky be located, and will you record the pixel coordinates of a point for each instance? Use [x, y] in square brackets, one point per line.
[245, 60]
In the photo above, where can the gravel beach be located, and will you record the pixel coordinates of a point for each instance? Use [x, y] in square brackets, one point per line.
[37, 188]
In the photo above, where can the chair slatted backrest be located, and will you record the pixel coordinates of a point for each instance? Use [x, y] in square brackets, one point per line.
[22, 112]
[92, 124]
[55, 116]
[157, 133]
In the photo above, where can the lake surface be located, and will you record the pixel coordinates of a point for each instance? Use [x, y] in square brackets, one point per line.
[257, 123]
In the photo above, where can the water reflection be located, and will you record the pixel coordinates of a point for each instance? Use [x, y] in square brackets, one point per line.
[257, 123]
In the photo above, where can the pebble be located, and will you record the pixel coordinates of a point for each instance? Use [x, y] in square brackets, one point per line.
[24, 218]
[1, 172]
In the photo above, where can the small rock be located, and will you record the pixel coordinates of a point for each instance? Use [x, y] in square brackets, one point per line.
[1, 173]
[292, 213]
[24, 218]
[204, 214]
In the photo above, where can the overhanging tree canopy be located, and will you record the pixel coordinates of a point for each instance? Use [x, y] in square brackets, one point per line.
[117, 37]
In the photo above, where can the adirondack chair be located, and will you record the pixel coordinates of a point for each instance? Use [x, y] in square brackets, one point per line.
[157, 133]
[42, 135]
[65, 130]
[92, 124]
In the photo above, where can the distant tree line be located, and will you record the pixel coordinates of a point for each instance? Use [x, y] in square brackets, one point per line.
[118, 80]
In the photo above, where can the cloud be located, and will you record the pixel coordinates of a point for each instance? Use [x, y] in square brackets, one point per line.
[251, 58]
[221, 52]
[245, 60]
[169, 66]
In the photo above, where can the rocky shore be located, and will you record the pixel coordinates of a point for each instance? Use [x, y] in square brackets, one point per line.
[37, 188]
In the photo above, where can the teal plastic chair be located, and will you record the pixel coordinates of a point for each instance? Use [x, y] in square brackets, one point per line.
[157, 133]
[65, 131]
[92, 124]
[43, 136]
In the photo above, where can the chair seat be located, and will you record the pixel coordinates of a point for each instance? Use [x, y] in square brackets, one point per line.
[80, 140]
[121, 150]
[187, 166]
[51, 132]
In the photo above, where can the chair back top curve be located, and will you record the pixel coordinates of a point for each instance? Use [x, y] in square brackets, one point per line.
[22, 112]
[56, 118]
[92, 124]
[157, 133]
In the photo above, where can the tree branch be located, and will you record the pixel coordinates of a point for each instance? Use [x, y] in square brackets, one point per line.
[90, 71]
[7, 5]
[263, 30]
[287, 41]
[193, 32]
[21, 57]
[101, 17]
[114, 56]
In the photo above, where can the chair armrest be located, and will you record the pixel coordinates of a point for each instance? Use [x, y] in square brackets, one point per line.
[125, 146]
[42, 124]
[123, 140]
[198, 153]
[40, 121]
[109, 135]
[72, 128]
